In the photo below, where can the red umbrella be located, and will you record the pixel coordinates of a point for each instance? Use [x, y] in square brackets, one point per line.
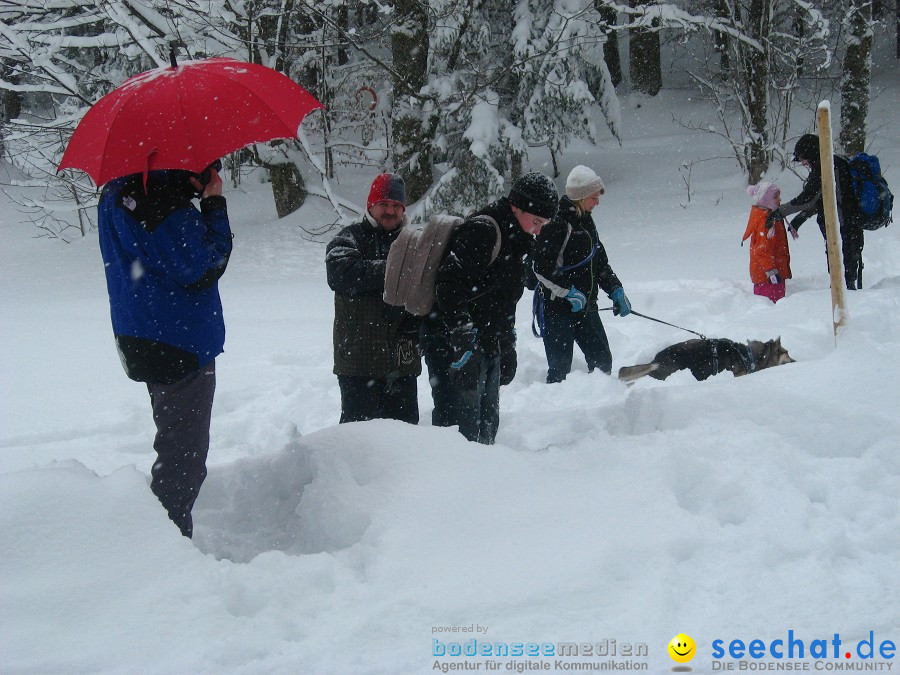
[185, 117]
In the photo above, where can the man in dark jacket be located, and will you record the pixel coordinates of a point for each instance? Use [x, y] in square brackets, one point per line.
[163, 260]
[571, 265]
[376, 357]
[809, 202]
[469, 338]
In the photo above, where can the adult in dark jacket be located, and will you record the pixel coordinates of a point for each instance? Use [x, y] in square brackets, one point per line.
[376, 357]
[571, 266]
[469, 338]
[163, 259]
[809, 202]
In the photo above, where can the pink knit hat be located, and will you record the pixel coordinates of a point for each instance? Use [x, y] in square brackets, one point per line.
[764, 195]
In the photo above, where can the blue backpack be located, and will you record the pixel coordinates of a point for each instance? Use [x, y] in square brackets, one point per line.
[873, 199]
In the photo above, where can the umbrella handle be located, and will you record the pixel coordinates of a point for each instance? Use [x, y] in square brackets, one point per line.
[147, 166]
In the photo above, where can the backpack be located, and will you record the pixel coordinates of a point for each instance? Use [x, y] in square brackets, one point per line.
[414, 258]
[872, 199]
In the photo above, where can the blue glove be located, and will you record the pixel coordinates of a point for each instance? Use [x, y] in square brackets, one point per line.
[465, 370]
[621, 306]
[577, 299]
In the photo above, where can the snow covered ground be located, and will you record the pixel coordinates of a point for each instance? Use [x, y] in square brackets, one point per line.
[726, 509]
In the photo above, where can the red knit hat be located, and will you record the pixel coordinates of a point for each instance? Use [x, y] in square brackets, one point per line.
[387, 187]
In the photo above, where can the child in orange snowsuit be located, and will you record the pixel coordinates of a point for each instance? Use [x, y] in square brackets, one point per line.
[770, 260]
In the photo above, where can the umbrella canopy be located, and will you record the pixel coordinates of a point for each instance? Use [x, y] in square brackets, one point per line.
[184, 117]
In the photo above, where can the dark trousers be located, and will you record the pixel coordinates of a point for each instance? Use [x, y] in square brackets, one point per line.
[369, 398]
[475, 411]
[852, 242]
[182, 413]
[563, 328]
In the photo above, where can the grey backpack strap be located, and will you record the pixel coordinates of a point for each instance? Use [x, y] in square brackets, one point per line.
[396, 283]
[499, 242]
[562, 249]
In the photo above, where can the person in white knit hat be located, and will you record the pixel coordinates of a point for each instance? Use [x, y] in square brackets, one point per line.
[571, 266]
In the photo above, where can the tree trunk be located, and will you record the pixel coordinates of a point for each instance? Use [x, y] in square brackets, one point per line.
[268, 33]
[516, 162]
[282, 27]
[800, 32]
[10, 103]
[609, 17]
[411, 142]
[855, 77]
[10, 107]
[645, 64]
[721, 41]
[342, 18]
[756, 72]
[288, 188]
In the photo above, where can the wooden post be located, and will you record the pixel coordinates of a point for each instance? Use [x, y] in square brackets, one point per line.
[832, 227]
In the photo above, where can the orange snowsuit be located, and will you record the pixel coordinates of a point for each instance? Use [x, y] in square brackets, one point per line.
[766, 252]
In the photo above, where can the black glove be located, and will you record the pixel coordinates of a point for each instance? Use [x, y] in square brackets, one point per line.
[799, 219]
[465, 369]
[508, 360]
[772, 217]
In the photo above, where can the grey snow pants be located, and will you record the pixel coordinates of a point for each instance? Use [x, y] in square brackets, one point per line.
[182, 413]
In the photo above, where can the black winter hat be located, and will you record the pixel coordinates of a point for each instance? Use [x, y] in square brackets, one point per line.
[807, 148]
[536, 194]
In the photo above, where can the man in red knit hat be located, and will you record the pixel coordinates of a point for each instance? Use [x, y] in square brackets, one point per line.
[376, 357]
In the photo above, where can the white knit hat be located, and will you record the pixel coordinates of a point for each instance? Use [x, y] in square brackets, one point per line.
[582, 183]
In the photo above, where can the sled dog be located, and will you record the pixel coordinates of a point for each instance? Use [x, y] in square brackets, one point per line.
[708, 357]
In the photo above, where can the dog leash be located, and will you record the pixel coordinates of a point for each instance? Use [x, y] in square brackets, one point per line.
[644, 316]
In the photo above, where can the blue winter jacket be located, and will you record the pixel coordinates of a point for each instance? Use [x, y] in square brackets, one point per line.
[163, 259]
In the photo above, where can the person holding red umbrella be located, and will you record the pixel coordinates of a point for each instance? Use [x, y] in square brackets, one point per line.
[163, 259]
[163, 256]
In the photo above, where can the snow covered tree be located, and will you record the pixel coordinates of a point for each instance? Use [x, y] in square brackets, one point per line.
[453, 94]
[753, 64]
[857, 67]
[57, 59]
[762, 45]
[645, 66]
[267, 28]
[609, 18]
[473, 83]
[506, 75]
[412, 124]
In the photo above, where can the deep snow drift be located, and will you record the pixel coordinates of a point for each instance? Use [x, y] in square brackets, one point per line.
[732, 508]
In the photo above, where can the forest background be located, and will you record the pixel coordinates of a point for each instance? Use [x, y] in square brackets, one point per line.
[452, 94]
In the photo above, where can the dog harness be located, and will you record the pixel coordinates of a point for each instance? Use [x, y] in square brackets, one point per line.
[744, 353]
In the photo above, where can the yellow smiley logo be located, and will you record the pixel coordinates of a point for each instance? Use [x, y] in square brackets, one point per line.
[682, 648]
